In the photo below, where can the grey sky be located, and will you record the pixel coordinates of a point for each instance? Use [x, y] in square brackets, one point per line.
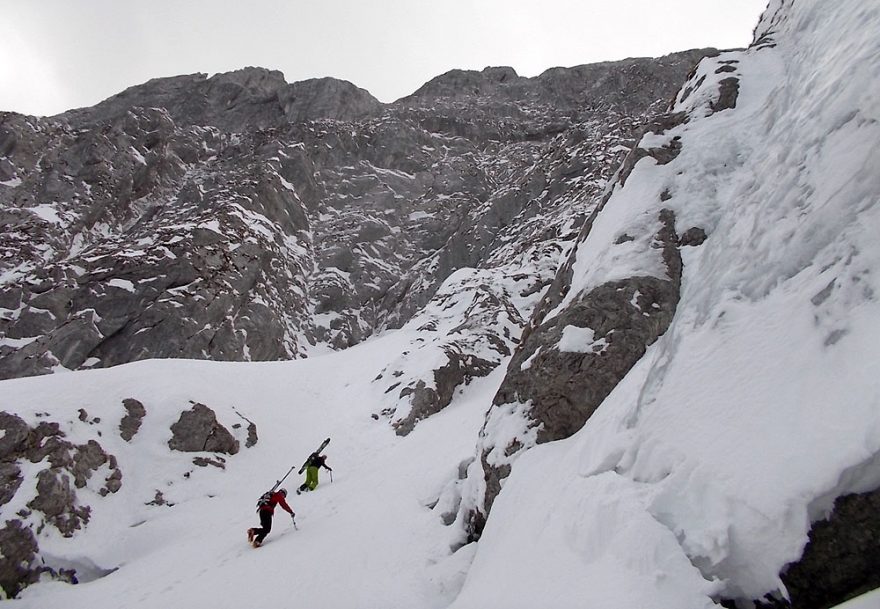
[61, 54]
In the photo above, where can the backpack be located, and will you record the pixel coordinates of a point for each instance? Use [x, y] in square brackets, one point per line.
[264, 500]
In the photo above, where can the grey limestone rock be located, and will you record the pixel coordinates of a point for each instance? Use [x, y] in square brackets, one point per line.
[14, 437]
[727, 96]
[463, 347]
[69, 467]
[198, 430]
[10, 480]
[56, 499]
[693, 236]
[252, 438]
[459, 370]
[326, 98]
[131, 422]
[19, 565]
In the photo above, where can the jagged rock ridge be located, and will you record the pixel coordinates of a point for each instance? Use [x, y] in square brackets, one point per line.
[241, 218]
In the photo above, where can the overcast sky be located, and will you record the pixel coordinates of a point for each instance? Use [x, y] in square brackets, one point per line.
[62, 54]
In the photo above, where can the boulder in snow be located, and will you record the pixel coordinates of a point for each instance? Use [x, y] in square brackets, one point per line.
[198, 430]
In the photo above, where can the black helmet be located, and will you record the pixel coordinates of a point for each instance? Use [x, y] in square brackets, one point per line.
[283, 491]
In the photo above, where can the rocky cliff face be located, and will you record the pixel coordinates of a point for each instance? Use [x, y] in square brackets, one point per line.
[239, 217]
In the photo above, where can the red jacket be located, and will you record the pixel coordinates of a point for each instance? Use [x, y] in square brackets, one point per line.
[277, 498]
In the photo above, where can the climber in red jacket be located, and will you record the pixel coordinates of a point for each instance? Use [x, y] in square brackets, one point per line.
[266, 509]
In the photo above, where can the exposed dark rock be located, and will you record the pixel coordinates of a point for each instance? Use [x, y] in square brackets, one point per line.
[693, 236]
[56, 497]
[14, 436]
[252, 438]
[112, 483]
[159, 499]
[326, 98]
[459, 370]
[471, 349]
[131, 422]
[663, 154]
[10, 480]
[728, 92]
[251, 435]
[19, 566]
[57, 500]
[205, 462]
[198, 430]
[841, 559]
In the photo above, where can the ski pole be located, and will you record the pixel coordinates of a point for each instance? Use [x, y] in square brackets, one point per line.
[331, 476]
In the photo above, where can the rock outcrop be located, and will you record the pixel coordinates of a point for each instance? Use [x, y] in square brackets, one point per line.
[131, 422]
[841, 558]
[19, 566]
[51, 486]
[68, 467]
[197, 430]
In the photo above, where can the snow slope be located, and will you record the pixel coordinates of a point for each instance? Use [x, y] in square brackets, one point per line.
[366, 539]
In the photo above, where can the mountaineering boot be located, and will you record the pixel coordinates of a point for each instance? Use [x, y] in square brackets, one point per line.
[250, 535]
[255, 542]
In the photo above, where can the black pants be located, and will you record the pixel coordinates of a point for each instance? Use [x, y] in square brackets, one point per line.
[265, 523]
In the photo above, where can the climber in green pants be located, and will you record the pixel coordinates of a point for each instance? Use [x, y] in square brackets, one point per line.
[314, 461]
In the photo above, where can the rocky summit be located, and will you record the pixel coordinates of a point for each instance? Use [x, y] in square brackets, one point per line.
[242, 218]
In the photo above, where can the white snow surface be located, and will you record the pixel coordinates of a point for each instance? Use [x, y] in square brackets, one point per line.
[697, 477]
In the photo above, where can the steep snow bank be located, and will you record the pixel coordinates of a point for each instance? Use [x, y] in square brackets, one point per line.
[761, 403]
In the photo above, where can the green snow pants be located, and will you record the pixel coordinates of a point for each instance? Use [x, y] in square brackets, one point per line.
[311, 477]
